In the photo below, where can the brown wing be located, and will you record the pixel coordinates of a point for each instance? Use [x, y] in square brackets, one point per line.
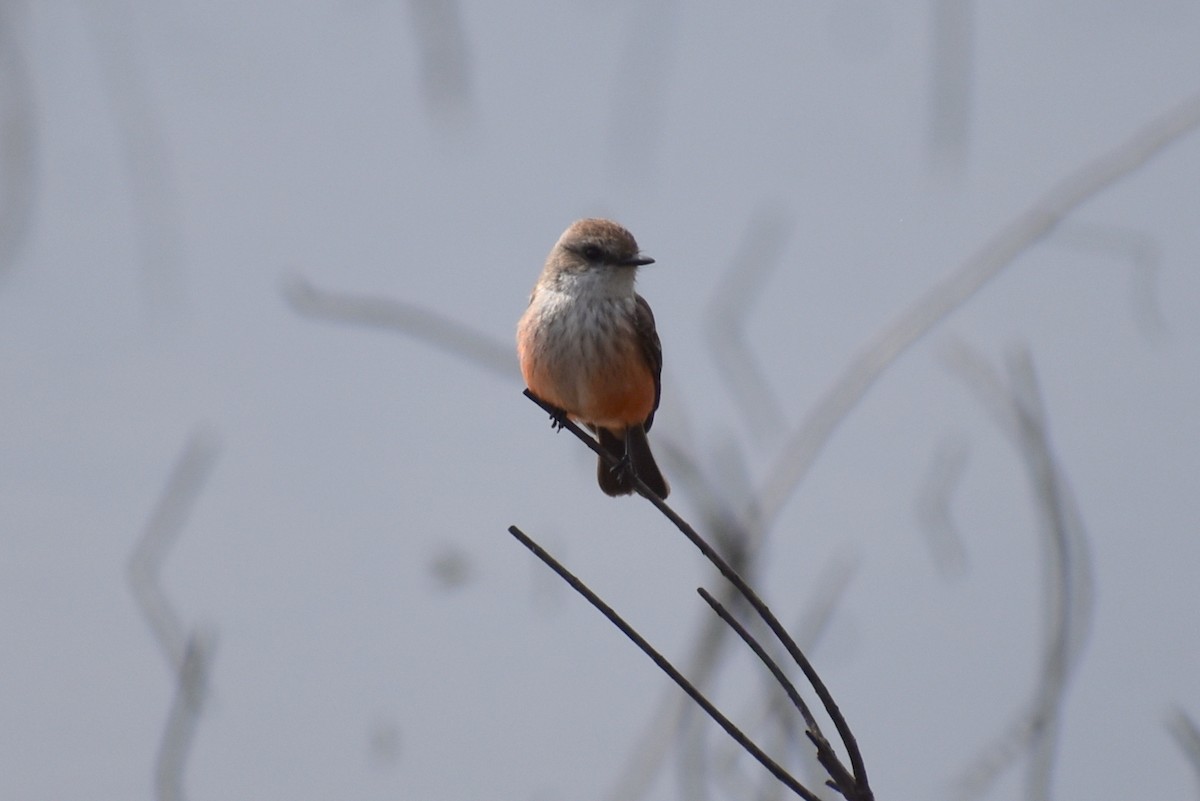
[643, 325]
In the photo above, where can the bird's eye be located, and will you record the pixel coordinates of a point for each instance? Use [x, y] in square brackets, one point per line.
[591, 252]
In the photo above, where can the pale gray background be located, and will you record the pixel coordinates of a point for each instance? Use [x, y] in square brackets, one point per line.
[174, 163]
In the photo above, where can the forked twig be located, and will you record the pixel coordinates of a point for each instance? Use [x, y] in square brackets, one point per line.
[664, 665]
[825, 753]
[859, 789]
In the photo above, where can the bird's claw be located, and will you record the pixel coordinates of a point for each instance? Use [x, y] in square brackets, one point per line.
[624, 466]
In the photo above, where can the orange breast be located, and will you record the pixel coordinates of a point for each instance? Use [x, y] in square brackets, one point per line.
[603, 382]
[619, 391]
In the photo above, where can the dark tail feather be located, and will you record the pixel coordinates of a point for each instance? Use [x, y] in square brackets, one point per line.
[620, 481]
[644, 464]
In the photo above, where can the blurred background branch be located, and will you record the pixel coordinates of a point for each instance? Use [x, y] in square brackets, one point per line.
[951, 84]
[1187, 736]
[410, 319]
[147, 160]
[1019, 410]
[445, 60]
[934, 501]
[1143, 254]
[191, 693]
[759, 254]
[188, 651]
[18, 138]
[807, 440]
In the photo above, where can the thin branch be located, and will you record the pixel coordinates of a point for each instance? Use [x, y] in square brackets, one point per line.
[809, 439]
[664, 665]
[649, 751]
[763, 656]
[862, 791]
[840, 777]
[406, 318]
[819, 609]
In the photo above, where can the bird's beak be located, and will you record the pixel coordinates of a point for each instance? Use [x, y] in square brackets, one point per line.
[638, 261]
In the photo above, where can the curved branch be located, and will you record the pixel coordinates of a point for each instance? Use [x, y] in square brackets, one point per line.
[997, 253]
[406, 318]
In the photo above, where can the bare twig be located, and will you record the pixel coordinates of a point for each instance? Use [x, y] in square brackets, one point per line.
[406, 318]
[808, 440]
[787, 733]
[860, 791]
[648, 754]
[810, 628]
[664, 665]
[715, 499]
[839, 776]
[716, 489]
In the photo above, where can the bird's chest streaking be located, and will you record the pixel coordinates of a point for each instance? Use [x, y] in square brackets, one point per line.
[580, 351]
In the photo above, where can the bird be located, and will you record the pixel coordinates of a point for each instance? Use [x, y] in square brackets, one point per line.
[588, 346]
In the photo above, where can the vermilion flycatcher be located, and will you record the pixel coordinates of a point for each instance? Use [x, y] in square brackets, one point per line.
[588, 346]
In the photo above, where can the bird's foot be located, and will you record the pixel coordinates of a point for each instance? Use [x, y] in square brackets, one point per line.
[623, 467]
